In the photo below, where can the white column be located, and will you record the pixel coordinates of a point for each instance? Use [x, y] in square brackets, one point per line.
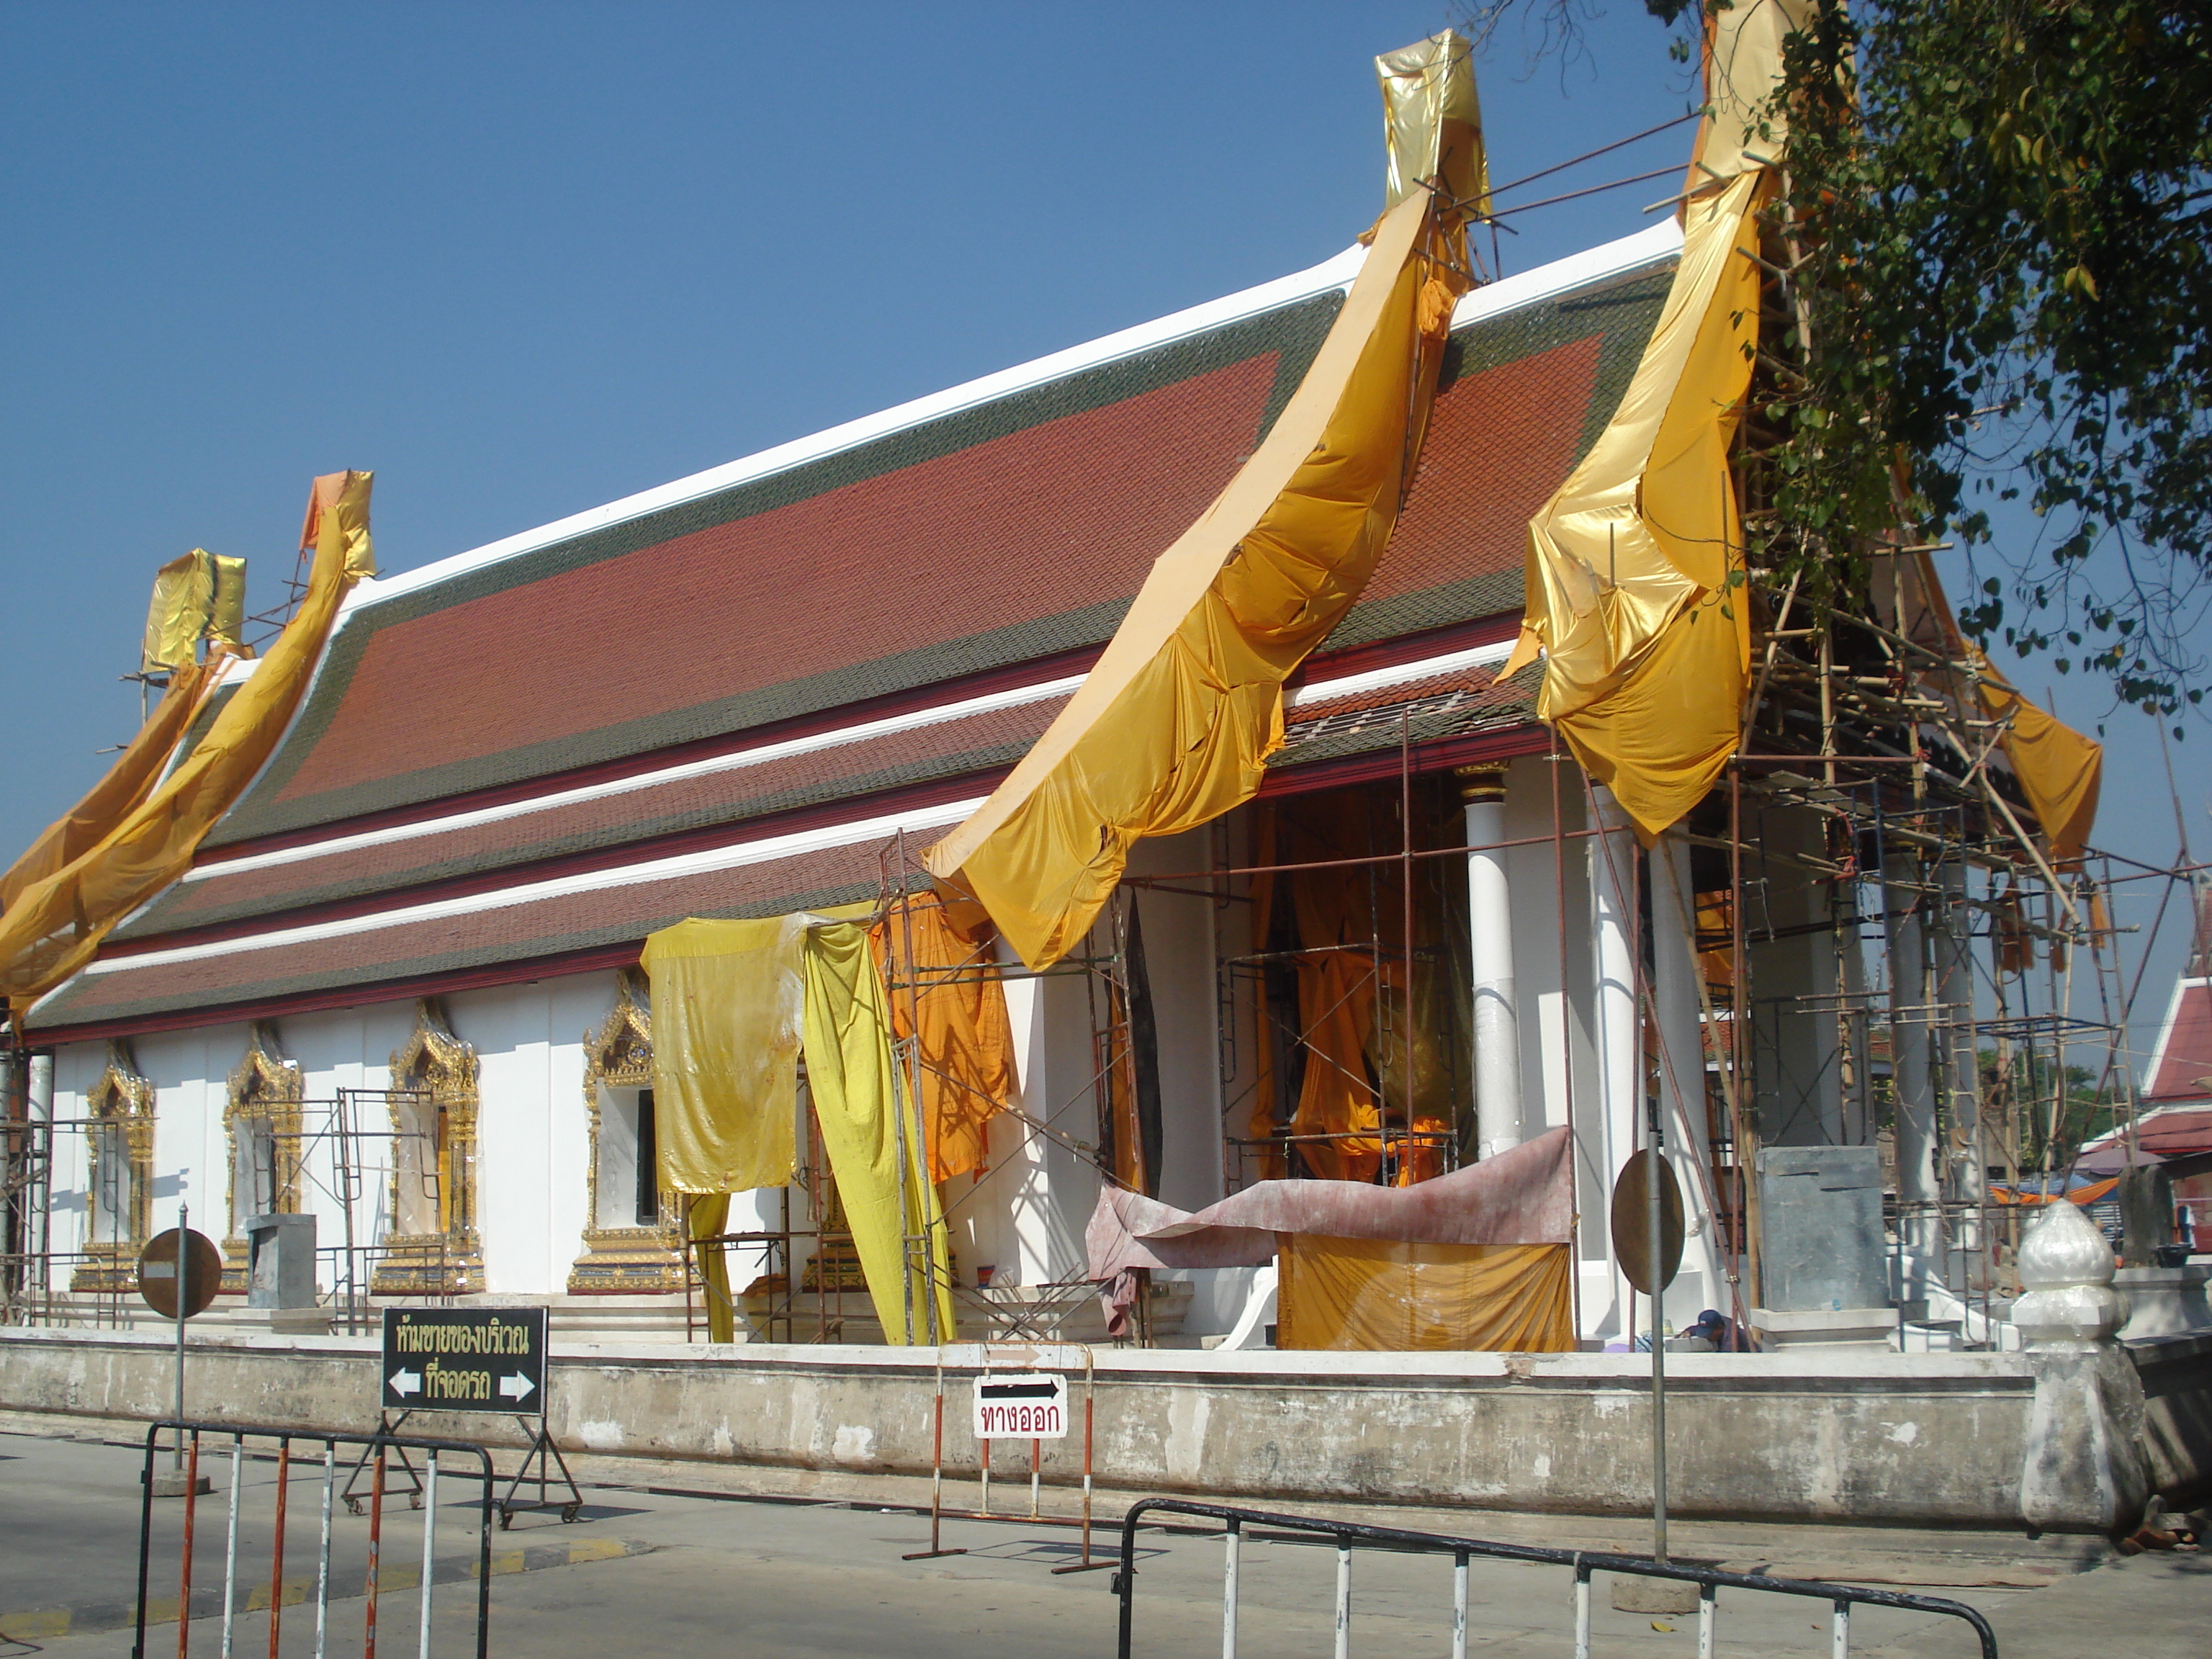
[1615, 1027]
[1496, 1004]
[1682, 1078]
[1959, 1065]
[1921, 1224]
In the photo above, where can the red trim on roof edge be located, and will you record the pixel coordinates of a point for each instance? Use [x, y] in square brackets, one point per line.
[1437, 756]
[1011, 678]
[1295, 781]
[618, 856]
[1359, 660]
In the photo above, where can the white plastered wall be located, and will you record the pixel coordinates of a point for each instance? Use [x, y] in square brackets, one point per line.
[533, 1128]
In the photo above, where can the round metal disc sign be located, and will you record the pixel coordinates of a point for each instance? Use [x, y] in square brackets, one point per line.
[1632, 1222]
[159, 1278]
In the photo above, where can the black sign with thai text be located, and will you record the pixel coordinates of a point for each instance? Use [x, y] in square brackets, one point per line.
[464, 1359]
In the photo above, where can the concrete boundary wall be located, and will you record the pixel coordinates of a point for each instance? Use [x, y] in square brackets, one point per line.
[1868, 1436]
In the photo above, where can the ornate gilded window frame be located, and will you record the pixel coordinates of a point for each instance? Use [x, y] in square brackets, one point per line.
[264, 1086]
[622, 1260]
[123, 1095]
[441, 1069]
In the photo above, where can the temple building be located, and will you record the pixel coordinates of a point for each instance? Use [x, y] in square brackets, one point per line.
[1326, 732]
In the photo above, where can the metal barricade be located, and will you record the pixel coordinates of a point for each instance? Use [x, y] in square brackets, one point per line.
[1346, 1535]
[241, 1589]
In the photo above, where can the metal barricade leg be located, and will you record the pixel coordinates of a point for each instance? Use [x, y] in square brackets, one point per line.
[185, 1570]
[230, 1545]
[1343, 1598]
[145, 1540]
[277, 1554]
[429, 1544]
[1232, 1541]
[1839, 1632]
[1709, 1608]
[323, 1559]
[1459, 1606]
[1582, 1610]
[375, 1549]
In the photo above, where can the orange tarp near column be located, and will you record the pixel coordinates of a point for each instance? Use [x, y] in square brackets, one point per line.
[1480, 1260]
[958, 1006]
[1389, 1294]
[56, 924]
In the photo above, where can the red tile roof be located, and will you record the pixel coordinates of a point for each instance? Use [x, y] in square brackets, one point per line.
[2181, 1069]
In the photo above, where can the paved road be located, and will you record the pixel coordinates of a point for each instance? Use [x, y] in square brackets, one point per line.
[741, 1578]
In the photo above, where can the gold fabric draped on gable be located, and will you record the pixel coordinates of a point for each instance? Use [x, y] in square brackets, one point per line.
[1174, 725]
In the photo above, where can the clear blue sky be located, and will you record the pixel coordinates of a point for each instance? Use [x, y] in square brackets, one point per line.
[520, 260]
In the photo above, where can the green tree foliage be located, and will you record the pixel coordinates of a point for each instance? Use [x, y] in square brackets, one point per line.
[2022, 1094]
[1999, 216]
[1992, 282]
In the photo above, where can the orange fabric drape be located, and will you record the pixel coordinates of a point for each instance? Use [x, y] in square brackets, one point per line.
[93, 818]
[1336, 1007]
[1389, 1295]
[1338, 985]
[958, 1005]
[56, 924]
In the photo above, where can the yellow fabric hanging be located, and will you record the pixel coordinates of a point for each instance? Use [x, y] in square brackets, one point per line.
[328, 491]
[849, 1072]
[183, 602]
[726, 1005]
[705, 1216]
[1743, 66]
[55, 925]
[1631, 562]
[1389, 1295]
[1432, 122]
[1174, 725]
[95, 818]
[2061, 772]
[226, 623]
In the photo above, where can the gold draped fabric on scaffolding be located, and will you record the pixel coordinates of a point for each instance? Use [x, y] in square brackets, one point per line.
[200, 596]
[1174, 725]
[92, 819]
[1634, 570]
[734, 1004]
[1635, 565]
[2060, 771]
[54, 924]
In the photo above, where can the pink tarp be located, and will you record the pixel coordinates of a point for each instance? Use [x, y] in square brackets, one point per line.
[1524, 1196]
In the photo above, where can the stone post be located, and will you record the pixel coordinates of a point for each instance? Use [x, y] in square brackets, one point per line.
[2084, 1468]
